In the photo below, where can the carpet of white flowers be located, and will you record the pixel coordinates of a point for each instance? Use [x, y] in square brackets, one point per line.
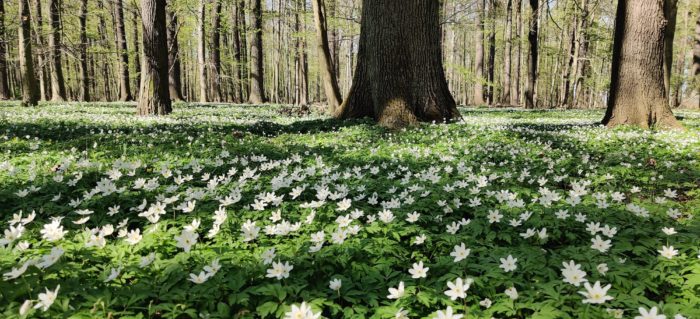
[242, 212]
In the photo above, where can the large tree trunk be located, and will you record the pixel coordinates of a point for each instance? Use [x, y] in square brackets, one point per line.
[58, 86]
[30, 89]
[123, 52]
[670, 12]
[4, 87]
[174, 68]
[330, 81]
[531, 85]
[507, 81]
[257, 84]
[201, 51]
[637, 92]
[479, 58]
[154, 96]
[84, 80]
[215, 52]
[399, 78]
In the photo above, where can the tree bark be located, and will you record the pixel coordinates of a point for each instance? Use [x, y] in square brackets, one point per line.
[154, 96]
[215, 52]
[58, 87]
[30, 89]
[84, 80]
[257, 83]
[399, 78]
[531, 85]
[123, 52]
[637, 90]
[330, 81]
[4, 87]
[479, 55]
[174, 68]
[507, 81]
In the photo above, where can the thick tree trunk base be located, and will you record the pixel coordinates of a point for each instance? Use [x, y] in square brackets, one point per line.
[656, 120]
[638, 95]
[399, 80]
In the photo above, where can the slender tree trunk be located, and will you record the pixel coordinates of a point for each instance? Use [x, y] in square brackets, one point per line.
[122, 51]
[137, 50]
[44, 82]
[4, 87]
[637, 90]
[531, 85]
[257, 83]
[564, 96]
[174, 68]
[215, 52]
[491, 95]
[91, 71]
[30, 89]
[518, 62]
[84, 80]
[277, 54]
[58, 86]
[676, 97]
[582, 63]
[507, 81]
[201, 51]
[301, 95]
[330, 81]
[670, 12]
[238, 26]
[696, 59]
[399, 78]
[479, 58]
[245, 57]
[154, 97]
[102, 30]
[332, 34]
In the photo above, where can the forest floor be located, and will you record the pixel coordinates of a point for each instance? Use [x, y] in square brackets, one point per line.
[241, 212]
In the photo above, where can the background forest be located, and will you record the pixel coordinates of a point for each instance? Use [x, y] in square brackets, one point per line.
[485, 48]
